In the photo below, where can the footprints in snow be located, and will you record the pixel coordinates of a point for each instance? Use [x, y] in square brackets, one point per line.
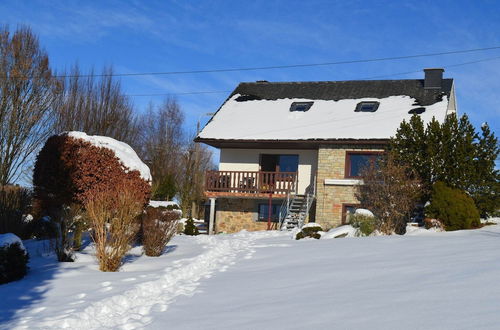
[106, 286]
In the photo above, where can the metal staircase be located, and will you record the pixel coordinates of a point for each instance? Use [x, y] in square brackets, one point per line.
[294, 210]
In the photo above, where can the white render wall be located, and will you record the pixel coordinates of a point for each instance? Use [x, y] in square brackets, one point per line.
[248, 160]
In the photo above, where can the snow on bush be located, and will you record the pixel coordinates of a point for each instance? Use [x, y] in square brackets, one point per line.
[10, 239]
[73, 166]
[364, 212]
[13, 258]
[311, 230]
[127, 156]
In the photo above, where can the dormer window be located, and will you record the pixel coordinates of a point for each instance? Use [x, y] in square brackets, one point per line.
[367, 107]
[301, 106]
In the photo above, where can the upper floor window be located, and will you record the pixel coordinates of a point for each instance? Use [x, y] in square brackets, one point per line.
[301, 106]
[357, 161]
[367, 106]
[279, 163]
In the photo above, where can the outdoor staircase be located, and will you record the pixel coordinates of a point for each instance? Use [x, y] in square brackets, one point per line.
[294, 211]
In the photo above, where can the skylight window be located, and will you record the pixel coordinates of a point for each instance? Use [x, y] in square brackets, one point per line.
[301, 106]
[367, 106]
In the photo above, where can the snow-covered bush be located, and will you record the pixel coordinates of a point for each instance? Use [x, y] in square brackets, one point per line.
[73, 167]
[13, 258]
[453, 208]
[113, 215]
[433, 223]
[363, 220]
[190, 228]
[14, 205]
[309, 230]
[159, 225]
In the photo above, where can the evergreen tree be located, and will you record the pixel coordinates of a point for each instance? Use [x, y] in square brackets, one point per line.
[165, 189]
[451, 152]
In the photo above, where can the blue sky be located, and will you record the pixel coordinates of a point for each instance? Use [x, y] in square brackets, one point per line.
[148, 36]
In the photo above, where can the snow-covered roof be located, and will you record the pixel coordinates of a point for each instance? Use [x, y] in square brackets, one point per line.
[123, 151]
[257, 112]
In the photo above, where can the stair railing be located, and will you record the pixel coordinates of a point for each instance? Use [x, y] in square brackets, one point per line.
[285, 206]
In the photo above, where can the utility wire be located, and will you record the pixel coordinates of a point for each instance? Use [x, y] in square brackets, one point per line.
[366, 78]
[273, 67]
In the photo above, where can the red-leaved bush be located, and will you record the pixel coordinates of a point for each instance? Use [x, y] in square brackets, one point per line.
[69, 170]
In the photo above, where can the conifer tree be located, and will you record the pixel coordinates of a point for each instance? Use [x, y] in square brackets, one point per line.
[452, 152]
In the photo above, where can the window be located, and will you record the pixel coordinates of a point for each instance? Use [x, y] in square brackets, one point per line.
[279, 163]
[417, 111]
[357, 161]
[367, 107]
[301, 106]
[347, 211]
[264, 212]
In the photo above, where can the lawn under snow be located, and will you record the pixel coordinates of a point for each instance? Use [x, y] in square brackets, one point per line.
[266, 280]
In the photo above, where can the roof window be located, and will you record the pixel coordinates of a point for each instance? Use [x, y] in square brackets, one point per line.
[367, 107]
[417, 111]
[301, 106]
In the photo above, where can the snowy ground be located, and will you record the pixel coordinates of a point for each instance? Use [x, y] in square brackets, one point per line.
[266, 280]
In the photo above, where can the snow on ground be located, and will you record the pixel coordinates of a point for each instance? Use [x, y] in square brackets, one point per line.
[267, 280]
[162, 203]
[123, 151]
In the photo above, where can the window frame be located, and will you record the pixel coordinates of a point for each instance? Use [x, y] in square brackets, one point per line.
[359, 106]
[278, 207]
[347, 169]
[344, 211]
[295, 105]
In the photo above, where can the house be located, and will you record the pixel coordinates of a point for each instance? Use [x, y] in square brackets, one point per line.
[291, 152]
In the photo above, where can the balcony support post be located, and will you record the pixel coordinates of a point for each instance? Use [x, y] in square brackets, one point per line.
[211, 220]
[270, 211]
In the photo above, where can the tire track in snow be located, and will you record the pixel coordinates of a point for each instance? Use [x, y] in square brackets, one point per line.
[131, 309]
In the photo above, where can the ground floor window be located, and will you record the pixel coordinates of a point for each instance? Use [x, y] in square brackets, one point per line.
[347, 211]
[264, 212]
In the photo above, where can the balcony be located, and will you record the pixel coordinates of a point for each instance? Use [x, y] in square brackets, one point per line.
[249, 183]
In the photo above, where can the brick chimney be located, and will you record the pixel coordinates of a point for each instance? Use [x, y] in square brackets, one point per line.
[433, 78]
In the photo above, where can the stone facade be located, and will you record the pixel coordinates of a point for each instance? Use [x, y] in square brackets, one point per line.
[330, 198]
[235, 214]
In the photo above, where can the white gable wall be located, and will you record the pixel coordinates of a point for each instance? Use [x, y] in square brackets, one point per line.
[248, 160]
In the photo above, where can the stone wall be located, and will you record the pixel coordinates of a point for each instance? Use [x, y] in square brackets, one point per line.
[235, 214]
[330, 198]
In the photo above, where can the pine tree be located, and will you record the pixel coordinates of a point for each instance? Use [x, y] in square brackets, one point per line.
[486, 189]
[451, 152]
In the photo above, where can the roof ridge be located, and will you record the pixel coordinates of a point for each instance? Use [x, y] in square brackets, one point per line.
[263, 82]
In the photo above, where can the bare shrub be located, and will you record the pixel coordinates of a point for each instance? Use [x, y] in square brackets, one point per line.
[113, 216]
[391, 192]
[159, 225]
[66, 222]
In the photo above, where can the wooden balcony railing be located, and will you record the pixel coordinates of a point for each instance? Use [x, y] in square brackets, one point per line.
[246, 182]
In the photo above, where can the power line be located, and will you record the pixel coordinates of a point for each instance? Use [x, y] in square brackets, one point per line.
[365, 78]
[181, 93]
[444, 67]
[274, 67]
